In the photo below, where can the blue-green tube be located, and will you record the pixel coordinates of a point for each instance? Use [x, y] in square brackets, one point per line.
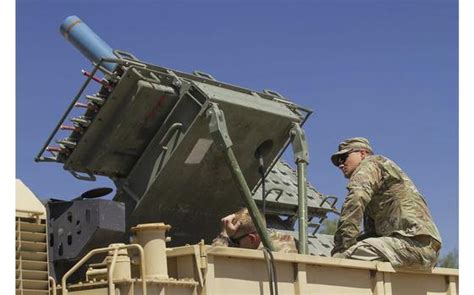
[86, 41]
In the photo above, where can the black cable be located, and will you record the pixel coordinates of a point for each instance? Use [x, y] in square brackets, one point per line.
[261, 170]
[266, 254]
[269, 259]
[271, 270]
[274, 272]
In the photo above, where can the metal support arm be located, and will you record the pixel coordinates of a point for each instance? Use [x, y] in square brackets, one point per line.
[301, 156]
[218, 129]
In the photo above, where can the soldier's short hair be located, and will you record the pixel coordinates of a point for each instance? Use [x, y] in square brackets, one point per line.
[247, 226]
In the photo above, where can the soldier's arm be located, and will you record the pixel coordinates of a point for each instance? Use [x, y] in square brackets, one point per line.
[221, 240]
[369, 228]
[361, 188]
[228, 228]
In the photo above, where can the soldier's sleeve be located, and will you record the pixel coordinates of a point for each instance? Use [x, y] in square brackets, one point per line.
[221, 240]
[369, 228]
[361, 188]
[283, 243]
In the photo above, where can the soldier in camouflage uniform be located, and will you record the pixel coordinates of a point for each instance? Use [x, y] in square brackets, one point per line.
[398, 227]
[238, 230]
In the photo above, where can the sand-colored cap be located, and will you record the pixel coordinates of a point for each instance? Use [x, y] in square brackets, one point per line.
[350, 145]
[150, 226]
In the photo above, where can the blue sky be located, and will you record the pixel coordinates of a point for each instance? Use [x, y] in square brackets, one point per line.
[386, 70]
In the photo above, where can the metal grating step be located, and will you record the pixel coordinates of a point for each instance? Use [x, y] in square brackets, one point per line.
[30, 236]
[31, 246]
[37, 256]
[35, 284]
[32, 265]
[31, 292]
[32, 275]
[31, 227]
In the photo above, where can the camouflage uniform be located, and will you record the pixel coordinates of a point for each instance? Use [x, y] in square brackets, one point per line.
[397, 223]
[282, 242]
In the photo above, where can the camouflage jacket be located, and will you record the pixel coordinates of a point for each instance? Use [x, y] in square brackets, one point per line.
[385, 200]
[282, 242]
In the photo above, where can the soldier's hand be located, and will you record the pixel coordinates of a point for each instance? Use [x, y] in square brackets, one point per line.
[229, 226]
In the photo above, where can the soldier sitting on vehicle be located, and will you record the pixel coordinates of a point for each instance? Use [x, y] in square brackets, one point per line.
[397, 223]
[238, 230]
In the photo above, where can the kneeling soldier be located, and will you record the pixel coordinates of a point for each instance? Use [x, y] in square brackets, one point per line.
[398, 227]
[238, 230]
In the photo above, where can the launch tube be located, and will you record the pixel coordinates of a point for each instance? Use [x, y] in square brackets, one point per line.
[86, 41]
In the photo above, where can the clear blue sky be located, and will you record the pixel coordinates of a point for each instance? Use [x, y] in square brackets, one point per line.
[386, 70]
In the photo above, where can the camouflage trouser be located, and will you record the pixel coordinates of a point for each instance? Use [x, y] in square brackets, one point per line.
[400, 251]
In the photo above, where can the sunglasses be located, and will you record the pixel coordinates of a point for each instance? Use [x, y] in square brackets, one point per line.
[238, 239]
[342, 158]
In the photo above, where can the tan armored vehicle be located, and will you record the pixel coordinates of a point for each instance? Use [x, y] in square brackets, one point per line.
[184, 150]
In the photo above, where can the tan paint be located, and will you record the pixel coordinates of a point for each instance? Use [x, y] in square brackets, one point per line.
[31, 240]
[151, 237]
[110, 283]
[27, 204]
[121, 269]
[388, 284]
[453, 285]
[243, 271]
[379, 284]
[201, 269]
[300, 281]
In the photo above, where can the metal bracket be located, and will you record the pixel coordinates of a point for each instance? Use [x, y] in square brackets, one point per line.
[177, 81]
[301, 156]
[218, 127]
[300, 146]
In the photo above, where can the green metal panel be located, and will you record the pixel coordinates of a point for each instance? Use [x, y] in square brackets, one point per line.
[204, 191]
[123, 127]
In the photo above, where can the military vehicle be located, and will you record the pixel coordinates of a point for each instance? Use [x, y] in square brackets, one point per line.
[184, 150]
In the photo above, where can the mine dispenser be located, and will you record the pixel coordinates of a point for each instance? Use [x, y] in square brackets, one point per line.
[185, 149]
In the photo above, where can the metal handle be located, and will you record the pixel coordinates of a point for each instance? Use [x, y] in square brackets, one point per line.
[124, 54]
[169, 132]
[204, 75]
[102, 250]
[273, 93]
[155, 81]
[110, 275]
[52, 284]
[89, 177]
